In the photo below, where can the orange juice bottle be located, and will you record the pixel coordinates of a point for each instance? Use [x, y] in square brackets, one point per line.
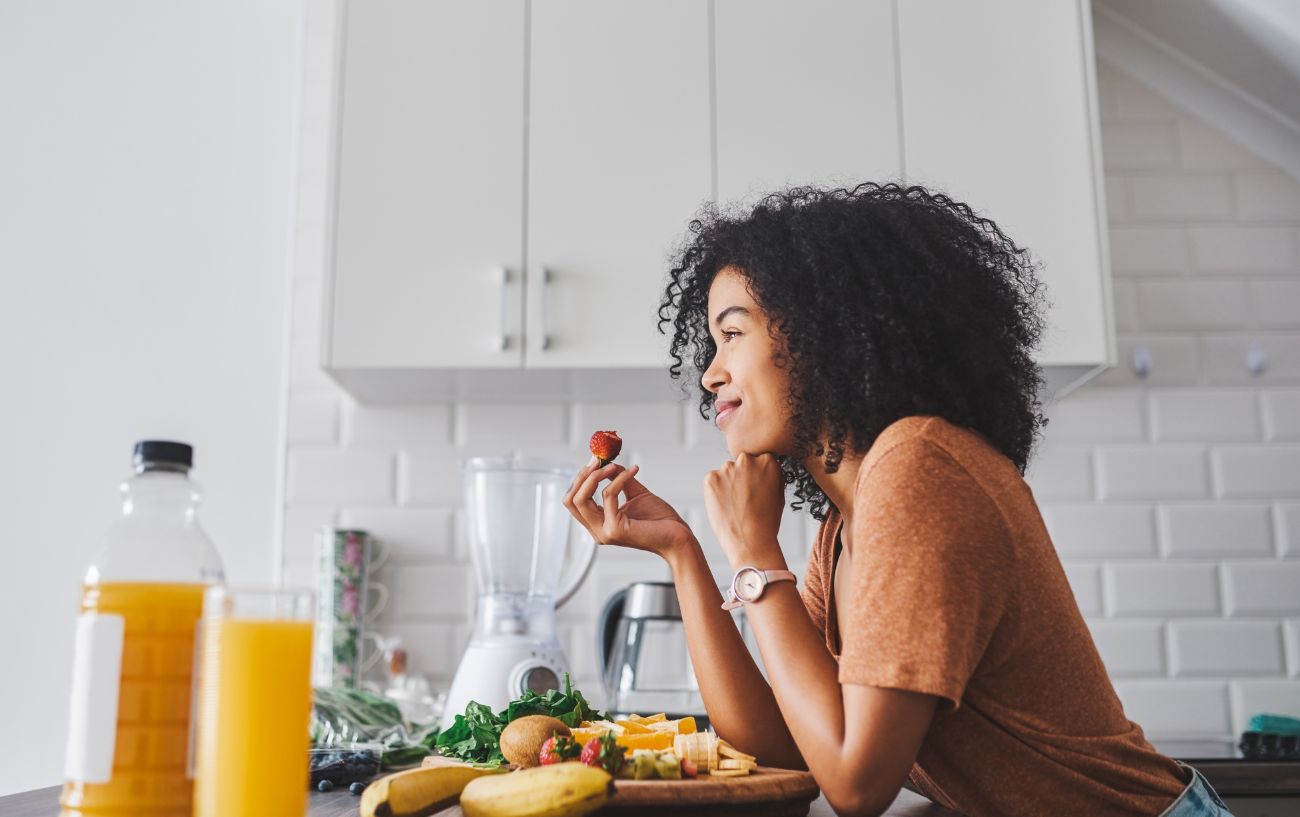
[129, 732]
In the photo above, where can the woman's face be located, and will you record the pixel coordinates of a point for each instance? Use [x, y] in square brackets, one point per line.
[751, 391]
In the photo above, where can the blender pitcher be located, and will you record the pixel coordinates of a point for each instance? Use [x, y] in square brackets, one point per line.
[518, 541]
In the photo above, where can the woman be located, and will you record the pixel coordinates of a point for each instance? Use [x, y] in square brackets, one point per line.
[873, 348]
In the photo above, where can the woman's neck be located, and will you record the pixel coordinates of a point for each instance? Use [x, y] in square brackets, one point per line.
[838, 486]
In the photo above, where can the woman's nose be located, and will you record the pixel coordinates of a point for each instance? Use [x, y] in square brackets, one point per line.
[713, 378]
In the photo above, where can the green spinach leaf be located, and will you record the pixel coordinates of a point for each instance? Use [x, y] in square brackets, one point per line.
[475, 735]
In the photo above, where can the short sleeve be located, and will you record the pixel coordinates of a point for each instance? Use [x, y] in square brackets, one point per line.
[929, 580]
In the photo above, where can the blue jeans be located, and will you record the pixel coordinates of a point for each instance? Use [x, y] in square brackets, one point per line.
[1199, 799]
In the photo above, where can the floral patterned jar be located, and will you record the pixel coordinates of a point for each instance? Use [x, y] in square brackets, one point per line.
[345, 561]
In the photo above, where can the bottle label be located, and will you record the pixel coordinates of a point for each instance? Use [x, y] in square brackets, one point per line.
[96, 682]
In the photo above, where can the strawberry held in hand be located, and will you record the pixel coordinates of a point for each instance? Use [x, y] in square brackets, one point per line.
[606, 445]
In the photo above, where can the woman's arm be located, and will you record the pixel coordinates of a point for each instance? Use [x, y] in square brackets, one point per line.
[739, 701]
[858, 741]
[740, 704]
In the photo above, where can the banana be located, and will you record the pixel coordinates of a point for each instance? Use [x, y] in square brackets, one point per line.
[418, 792]
[561, 790]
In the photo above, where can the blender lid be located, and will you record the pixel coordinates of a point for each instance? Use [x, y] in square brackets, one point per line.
[517, 462]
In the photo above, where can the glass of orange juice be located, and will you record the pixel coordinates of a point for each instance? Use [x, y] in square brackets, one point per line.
[254, 703]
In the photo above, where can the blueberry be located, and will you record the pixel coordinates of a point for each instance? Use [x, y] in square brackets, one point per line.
[357, 787]
[325, 785]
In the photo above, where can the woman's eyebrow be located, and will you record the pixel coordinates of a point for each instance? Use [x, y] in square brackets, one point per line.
[740, 310]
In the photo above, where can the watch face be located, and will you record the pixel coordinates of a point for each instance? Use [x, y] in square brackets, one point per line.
[749, 584]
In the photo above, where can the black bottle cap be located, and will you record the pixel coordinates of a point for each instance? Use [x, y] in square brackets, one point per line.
[163, 452]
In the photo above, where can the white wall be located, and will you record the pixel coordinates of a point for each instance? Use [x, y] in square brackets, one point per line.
[146, 175]
[1174, 502]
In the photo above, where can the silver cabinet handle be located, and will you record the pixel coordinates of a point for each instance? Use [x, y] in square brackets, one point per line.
[546, 337]
[504, 274]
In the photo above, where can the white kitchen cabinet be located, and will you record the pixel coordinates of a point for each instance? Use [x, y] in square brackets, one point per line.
[806, 93]
[512, 176]
[428, 246]
[999, 110]
[619, 162]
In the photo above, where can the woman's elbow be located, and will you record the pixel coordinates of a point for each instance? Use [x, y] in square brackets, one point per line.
[859, 802]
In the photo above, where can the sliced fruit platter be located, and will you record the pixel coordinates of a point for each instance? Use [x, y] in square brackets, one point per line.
[556, 756]
[634, 748]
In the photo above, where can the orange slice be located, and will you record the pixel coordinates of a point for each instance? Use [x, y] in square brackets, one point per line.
[634, 728]
[655, 740]
[583, 735]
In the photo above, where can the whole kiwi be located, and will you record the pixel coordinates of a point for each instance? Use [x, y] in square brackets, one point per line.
[522, 739]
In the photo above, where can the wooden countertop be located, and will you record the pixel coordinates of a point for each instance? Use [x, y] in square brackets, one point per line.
[45, 803]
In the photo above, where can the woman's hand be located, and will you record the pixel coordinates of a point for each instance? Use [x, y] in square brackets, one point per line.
[643, 521]
[745, 499]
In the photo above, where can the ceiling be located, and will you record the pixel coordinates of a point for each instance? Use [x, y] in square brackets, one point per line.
[1235, 63]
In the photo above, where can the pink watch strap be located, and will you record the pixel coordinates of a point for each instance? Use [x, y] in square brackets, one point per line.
[780, 576]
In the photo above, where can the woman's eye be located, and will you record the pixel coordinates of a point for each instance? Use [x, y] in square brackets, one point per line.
[728, 335]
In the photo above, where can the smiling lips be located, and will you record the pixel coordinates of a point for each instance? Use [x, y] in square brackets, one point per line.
[725, 409]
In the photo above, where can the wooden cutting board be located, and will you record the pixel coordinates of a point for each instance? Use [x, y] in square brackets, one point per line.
[768, 792]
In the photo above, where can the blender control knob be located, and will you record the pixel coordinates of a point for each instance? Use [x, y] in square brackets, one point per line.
[539, 679]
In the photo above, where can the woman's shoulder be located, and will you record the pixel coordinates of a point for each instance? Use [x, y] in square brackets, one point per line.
[916, 442]
[930, 460]
[927, 478]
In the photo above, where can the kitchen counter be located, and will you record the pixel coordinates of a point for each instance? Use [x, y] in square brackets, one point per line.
[45, 803]
[1249, 787]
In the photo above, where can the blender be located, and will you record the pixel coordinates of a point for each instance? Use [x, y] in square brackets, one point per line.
[518, 541]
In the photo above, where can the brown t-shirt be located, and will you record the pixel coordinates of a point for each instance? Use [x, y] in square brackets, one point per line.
[957, 592]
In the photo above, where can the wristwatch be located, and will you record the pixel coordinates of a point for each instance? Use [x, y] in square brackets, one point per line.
[749, 583]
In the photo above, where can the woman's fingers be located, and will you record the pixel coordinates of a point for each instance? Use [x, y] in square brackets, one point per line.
[583, 502]
[568, 500]
[633, 487]
[578, 480]
[616, 486]
[580, 507]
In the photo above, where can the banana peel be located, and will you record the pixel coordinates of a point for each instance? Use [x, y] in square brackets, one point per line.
[561, 790]
[419, 792]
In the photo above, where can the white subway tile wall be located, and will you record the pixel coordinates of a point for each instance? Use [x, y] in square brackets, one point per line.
[1173, 499]
[1196, 415]
[1130, 648]
[1282, 415]
[1223, 648]
[1216, 531]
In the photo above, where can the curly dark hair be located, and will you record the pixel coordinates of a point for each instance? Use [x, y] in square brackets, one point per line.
[933, 308]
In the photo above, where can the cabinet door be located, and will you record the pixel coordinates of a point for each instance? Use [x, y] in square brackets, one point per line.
[619, 162]
[999, 110]
[430, 186]
[806, 94]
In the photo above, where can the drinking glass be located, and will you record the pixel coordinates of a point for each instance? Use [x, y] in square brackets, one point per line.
[254, 703]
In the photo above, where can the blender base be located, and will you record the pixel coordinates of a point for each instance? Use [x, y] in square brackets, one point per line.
[496, 674]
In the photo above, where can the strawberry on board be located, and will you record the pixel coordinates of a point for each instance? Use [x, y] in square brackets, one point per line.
[606, 445]
[557, 749]
[603, 753]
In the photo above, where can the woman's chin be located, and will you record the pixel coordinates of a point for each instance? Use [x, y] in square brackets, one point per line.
[737, 447]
